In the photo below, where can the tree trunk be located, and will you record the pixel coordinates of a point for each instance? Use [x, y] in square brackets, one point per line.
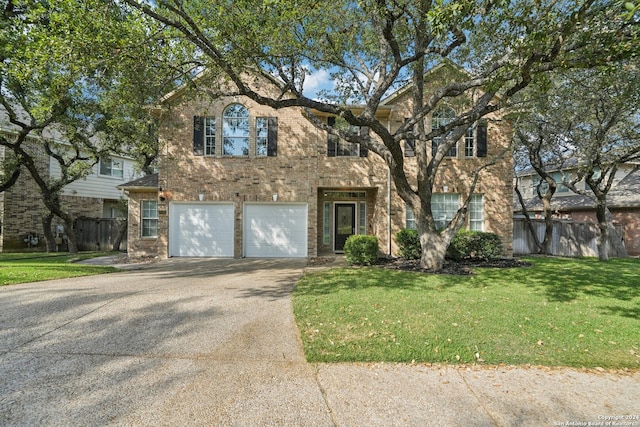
[548, 223]
[121, 233]
[603, 239]
[528, 221]
[49, 238]
[434, 250]
[72, 238]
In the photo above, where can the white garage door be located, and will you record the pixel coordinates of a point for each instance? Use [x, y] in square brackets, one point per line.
[275, 230]
[201, 230]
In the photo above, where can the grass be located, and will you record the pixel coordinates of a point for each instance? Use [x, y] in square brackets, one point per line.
[559, 312]
[34, 267]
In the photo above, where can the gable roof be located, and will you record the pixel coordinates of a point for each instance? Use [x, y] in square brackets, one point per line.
[626, 194]
[148, 182]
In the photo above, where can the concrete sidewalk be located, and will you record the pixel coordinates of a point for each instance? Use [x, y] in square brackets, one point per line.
[213, 342]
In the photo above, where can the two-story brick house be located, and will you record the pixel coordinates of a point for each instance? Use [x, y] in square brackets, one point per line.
[239, 179]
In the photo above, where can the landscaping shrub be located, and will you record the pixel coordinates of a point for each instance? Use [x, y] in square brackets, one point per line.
[474, 245]
[361, 249]
[409, 243]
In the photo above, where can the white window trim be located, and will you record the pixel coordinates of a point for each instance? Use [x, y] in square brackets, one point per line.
[104, 175]
[143, 219]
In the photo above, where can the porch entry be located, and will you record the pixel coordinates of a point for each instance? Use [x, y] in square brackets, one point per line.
[344, 224]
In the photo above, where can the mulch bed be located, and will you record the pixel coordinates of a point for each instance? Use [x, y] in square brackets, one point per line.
[463, 268]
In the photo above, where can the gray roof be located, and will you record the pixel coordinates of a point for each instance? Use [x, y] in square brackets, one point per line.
[626, 194]
[146, 182]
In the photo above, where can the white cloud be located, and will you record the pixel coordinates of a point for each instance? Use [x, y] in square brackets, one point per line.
[316, 81]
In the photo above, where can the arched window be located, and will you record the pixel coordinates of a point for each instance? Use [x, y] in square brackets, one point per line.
[442, 116]
[235, 130]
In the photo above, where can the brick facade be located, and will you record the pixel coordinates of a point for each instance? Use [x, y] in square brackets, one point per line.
[303, 173]
[22, 208]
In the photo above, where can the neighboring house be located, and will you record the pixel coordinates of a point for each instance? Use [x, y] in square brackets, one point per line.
[623, 200]
[22, 208]
[238, 179]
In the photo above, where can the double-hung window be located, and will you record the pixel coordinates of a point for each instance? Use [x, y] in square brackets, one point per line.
[440, 118]
[337, 147]
[149, 217]
[444, 207]
[209, 136]
[470, 142]
[112, 167]
[476, 213]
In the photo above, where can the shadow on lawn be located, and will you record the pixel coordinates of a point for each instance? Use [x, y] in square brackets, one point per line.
[564, 280]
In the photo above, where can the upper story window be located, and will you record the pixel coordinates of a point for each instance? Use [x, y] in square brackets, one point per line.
[337, 147]
[238, 136]
[209, 136]
[235, 131]
[470, 142]
[112, 167]
[442, 116]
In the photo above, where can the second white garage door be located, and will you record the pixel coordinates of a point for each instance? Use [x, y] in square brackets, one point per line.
[201, 230]
[275, 230]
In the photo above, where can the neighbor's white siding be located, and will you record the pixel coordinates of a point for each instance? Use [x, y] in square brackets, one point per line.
[96, 185]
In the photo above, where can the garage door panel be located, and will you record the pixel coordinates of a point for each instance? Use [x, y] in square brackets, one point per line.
[203, 230]
[276, 230]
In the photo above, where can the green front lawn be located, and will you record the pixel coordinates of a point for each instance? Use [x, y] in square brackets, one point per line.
[560, 312]
[34, 267]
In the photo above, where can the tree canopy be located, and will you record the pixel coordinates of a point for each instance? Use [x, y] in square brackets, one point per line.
[373, 47]
[74, 83]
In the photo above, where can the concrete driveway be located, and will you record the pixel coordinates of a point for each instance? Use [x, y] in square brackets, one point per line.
[213, 342]
[186, 341]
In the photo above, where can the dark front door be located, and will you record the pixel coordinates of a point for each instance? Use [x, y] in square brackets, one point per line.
[345, 223]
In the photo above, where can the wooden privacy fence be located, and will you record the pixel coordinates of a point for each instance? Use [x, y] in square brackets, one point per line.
[99, 234]
[569, 238]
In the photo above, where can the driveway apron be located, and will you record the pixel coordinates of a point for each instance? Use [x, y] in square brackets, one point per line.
[185, 342]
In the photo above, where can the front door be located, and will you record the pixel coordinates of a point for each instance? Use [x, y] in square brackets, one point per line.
[345, 223]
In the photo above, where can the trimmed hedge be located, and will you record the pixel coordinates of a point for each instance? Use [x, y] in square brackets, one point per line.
[409, 243]
[361, 249]
[474, 245]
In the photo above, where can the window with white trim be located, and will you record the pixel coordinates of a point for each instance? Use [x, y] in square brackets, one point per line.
[112, 167]
[470, 142]
[149, 217]
[210, 136]
[442, 117]
[235, 130]
[444, 207]
[262, 136]
[410, 219]
[362, 218]
[476, 212]
[326, 223]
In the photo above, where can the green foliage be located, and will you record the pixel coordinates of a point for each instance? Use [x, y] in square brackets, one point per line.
[474, 245]
[409, 243]
[361, 249]
[559, 312]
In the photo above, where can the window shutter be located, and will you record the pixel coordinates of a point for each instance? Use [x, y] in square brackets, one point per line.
[331, 139]
[198, 136]
[272, 136]
[481, 139]
[409, 145]
[364, 131]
